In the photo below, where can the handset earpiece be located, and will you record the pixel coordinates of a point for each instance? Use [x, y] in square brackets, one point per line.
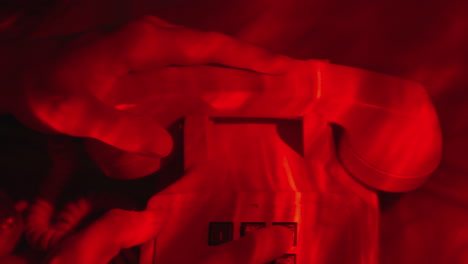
[391, 138]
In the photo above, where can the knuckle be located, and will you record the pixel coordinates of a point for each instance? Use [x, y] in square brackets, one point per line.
[142, 28]
[199, 46]
[215, 39]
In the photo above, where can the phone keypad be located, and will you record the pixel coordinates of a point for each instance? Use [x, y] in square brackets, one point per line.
[251, 227]
[220, 232]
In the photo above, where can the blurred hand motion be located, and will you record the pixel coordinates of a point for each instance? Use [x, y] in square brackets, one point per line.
[66, 83]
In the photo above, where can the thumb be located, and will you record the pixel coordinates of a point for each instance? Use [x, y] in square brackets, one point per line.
[119, 164]
[83, 115]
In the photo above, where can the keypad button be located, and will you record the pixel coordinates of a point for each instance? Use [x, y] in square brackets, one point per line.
[251, 227]
[286, 259]
[291, 226]
[220, 232]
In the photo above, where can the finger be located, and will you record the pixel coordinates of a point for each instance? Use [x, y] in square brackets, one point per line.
[83, 115]
[145, 43]
[257, 247]
[72, 215]
[119, 164]
[190, 47]
[37, 226]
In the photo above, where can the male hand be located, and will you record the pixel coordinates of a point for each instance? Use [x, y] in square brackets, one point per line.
[64, 82]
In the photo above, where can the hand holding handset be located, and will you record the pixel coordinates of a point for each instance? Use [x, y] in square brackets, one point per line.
[390, 136]
[390, 141]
